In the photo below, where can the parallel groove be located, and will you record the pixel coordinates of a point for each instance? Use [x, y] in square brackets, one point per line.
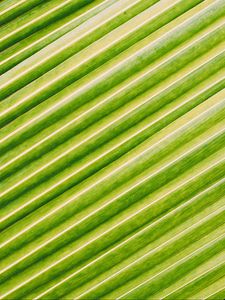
[112, 143]
[218, 295]
[208, 173]
[222, 62]
[64, 179]
[73, 42]
[211, 290]
[35, 19]
[51, 154]
[153, 55]
[30, 45]
[89, 273]
[149, 23]
[211, 247]
[201, 121]
[211, 275]
[11, 9]
[68, 126]
[35, 281]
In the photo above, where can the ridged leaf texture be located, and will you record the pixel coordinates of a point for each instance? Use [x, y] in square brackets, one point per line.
[112, 149]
